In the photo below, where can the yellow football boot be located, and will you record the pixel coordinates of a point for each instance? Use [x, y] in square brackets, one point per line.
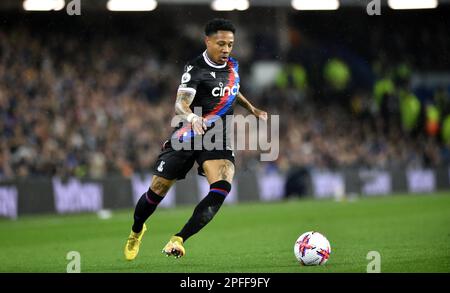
[133, 243]
[174, 247]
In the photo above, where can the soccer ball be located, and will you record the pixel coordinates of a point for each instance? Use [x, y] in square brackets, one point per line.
[312, 248]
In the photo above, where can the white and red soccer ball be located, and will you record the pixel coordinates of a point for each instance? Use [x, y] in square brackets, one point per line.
[312, 248]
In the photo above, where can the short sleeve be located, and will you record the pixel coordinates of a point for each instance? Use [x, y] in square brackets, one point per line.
[189, 79]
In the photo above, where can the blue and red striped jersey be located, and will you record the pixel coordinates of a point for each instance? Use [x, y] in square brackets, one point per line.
[215, 87]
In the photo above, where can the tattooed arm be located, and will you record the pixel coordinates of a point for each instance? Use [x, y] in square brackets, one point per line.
[182, 107]
[184, 100]
[252, 109]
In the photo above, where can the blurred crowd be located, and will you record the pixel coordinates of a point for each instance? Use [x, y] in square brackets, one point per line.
[80, 108]
[103, 105]
[331, 136]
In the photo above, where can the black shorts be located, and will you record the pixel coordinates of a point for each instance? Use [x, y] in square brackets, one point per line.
[172, 164]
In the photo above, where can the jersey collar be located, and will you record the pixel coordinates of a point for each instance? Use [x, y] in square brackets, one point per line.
[212, 63]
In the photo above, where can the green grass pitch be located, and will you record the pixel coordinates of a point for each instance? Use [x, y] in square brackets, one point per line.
[411, 232]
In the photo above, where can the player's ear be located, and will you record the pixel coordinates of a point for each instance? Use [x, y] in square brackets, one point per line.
[206, 41]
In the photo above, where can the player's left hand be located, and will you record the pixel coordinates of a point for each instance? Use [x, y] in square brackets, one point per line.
[260, 114]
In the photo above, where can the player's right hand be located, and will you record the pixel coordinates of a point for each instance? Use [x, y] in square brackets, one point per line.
[198, 124]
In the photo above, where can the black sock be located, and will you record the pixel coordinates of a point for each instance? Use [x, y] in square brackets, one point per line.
[206, 209]
[145, 206]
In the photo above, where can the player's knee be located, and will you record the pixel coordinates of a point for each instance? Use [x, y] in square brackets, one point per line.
[226, 171]
[222, 187]
[160, 185]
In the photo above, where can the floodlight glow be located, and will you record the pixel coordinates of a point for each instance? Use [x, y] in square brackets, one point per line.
[412, 4]
[315, 4]
[242, 5]
[131, 5]
[229, 5]
[43, 5]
